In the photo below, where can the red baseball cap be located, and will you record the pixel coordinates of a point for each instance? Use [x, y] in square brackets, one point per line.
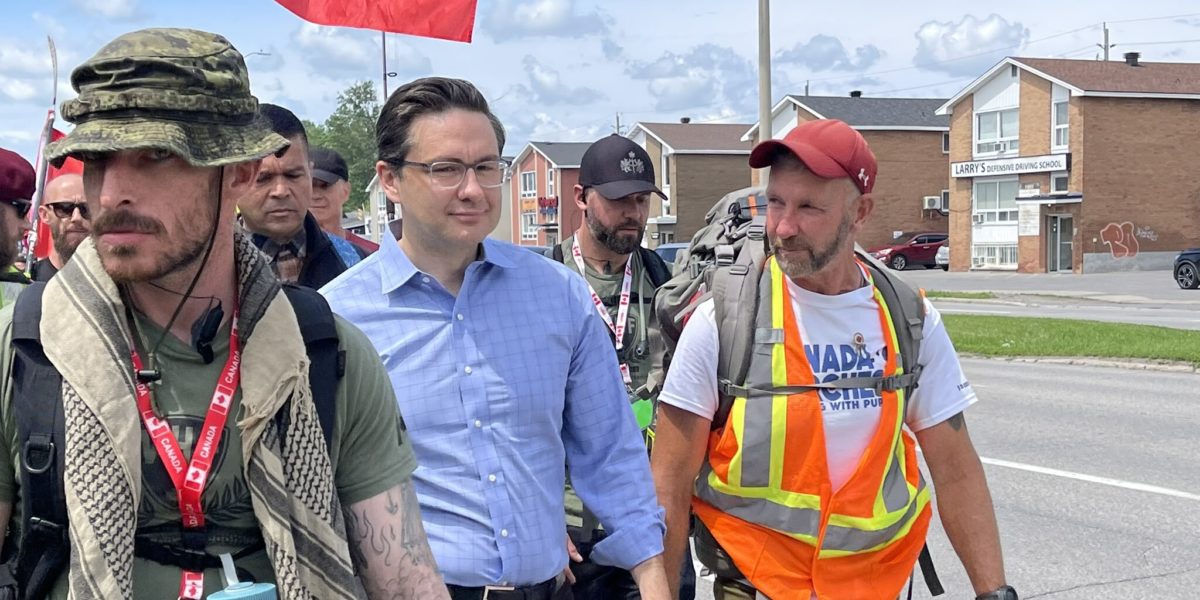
[829, 148]
[16, 178]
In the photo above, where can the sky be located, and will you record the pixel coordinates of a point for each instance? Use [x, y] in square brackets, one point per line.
[563, 70]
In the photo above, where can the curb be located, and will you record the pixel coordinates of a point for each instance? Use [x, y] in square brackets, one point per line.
[1164, 366]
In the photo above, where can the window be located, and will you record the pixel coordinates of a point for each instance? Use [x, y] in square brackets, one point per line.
[666, 172]
[529, 225]
[945, 200]
[945, 142]
[997, 132]
[1062, 129]
[549, 183]
[936, 239]
[995, 202]
[528, 184]
[666, 237]
[1059, 182]
[994, 255]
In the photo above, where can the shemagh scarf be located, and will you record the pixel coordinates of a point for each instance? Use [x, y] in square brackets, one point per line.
[286, 465]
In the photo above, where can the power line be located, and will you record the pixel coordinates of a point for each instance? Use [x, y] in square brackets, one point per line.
[1157, 18]
[1126, 44]
[918, 87]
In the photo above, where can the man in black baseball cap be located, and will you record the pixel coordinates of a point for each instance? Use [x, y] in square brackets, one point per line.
[16, 191]
[330, 191]
[616, 187]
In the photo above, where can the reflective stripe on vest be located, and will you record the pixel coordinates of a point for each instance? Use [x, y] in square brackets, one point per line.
[764, 472]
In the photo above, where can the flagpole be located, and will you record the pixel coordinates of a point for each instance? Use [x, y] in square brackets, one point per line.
[764, 70]
[383, 38]
[43, 169]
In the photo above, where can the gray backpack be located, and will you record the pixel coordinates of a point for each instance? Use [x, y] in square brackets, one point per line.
[725, 260]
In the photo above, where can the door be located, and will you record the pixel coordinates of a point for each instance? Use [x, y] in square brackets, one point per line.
[1059, 257]
[922, 251]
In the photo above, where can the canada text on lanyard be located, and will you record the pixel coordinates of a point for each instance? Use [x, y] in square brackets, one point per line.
[189, 477]
[618, 328]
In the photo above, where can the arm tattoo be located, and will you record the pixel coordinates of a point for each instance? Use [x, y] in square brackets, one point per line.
[389, 549]
[957, 421]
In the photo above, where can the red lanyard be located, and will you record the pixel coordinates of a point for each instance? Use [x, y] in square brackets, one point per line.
[618, 328]
[189, 477]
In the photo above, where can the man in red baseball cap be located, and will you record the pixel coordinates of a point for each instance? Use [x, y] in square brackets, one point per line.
[802, 472]
[16, 192]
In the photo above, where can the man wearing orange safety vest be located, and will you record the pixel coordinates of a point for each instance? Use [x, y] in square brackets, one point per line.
[815, 492]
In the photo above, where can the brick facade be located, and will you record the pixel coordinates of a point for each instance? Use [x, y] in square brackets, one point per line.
[911, 166]
[697, 182]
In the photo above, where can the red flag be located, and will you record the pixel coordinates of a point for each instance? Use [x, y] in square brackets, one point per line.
[44, 241]
[444, 19]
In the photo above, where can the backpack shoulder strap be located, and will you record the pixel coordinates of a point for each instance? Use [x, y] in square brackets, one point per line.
[38, 410]
[735, 300]
[656, 267]
[325, 356]
[907, 307]
[554, 253]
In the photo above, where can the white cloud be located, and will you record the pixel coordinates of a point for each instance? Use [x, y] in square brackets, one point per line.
[335, 52]
[522, 127]
[546, 86]
[827, 53]
[971, 46]
[117, 10]
[709, 76]
[514, 19]
[50, 24]
[19, 90]
[24, 59]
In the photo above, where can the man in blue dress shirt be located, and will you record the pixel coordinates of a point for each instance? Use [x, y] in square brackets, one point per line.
[500, 363]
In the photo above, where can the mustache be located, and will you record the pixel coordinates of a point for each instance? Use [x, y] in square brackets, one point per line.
[125, 221]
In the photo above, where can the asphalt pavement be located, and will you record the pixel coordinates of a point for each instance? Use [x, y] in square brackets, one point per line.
[1095, 478]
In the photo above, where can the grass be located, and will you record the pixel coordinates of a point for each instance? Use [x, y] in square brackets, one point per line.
[1024, 336]
[963, 295]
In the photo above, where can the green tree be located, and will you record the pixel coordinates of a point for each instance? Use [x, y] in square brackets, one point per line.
[351, 131]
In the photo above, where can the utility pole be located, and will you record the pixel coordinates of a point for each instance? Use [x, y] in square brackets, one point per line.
[764, 70]
[617, 128]
[1106, 46]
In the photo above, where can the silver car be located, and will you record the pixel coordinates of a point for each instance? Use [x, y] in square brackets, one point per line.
[942, 258]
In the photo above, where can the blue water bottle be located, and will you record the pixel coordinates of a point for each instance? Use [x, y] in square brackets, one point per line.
[241, 590]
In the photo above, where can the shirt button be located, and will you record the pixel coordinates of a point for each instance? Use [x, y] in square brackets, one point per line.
[492, 477]
[503, 533]
[424, 280]
[467, 370]
[478, 423]
[459, 316]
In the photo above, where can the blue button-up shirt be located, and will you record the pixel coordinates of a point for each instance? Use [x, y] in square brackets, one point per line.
[499, 386]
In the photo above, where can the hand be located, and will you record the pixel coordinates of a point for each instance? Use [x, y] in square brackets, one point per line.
[572, 552]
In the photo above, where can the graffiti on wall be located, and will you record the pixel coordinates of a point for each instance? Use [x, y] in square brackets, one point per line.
[1122, 239]
[1147, 233]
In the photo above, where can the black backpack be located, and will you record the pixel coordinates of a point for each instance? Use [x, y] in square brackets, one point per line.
[44, 549]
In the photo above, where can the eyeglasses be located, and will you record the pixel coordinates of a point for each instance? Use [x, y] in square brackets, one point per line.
[450, 175]
[64, 210]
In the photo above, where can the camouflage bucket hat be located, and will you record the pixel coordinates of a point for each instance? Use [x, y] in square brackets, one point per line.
[179, 90]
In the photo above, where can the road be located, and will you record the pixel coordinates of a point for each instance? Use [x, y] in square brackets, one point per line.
[1095, 479]
[1155, 287]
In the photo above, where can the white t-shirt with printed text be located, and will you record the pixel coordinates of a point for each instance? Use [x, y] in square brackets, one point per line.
[828, 327]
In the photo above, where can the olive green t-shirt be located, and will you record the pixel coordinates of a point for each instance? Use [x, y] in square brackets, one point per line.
[642, 350]
[370, 452]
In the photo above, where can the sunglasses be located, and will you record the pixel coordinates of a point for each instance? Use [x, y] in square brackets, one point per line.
[21, 206]
[64, 210]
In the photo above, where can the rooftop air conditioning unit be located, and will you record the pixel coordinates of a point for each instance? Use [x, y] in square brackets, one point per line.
[931, 203]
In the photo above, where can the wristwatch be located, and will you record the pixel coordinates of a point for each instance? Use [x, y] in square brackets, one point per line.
[1004, 593]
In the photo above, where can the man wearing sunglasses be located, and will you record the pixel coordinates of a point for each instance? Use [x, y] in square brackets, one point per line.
[501, 365]
[65, 214]
[16, 189]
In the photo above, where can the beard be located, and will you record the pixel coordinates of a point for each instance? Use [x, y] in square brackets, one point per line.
[65, 242]
[8, 252]
[798, 259]
[612, 237]
[166, 252]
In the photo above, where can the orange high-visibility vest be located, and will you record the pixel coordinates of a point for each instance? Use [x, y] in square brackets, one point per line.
[765, 494]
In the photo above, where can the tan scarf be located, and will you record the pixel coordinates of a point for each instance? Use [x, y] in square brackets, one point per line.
[286, 464]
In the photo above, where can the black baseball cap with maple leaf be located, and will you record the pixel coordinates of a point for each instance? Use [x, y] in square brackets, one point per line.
[617, 167]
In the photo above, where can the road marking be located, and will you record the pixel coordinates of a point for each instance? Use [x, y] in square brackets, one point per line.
[975, 311]
[1128, 485]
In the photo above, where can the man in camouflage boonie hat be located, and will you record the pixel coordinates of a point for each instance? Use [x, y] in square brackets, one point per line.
[164, 302]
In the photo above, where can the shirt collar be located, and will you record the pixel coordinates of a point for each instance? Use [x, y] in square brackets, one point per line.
[270, 247]
[396, 269]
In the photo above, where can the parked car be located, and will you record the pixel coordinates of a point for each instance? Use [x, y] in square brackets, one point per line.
[942, 258]
[911, 249]
[1187, 269]
[670, 251]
